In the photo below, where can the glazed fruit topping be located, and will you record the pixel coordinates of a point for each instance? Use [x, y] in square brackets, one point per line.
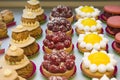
[57, 78]
[62, 11]
[59, 24]
[58, 62]
[58, 40]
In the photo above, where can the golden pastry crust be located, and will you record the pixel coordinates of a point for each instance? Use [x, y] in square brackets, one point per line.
[85, 50]
[95, 74]
[31, 49]
[26, 20]
[78, 17]
[41, 17]
[7, 16]
[69, 33]
[67, 74]
[68, 50]
[20, 36]
[36, 33]
[33, 7]
[78, 31]
[25, 71]
[3, 30]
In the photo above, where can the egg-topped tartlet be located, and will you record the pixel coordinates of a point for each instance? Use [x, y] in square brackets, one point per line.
[89, 41]
[98, 63]
[88, 25]
[87, 11]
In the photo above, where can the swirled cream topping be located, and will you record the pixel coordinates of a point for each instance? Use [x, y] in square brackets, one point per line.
[104, 78]
[7, 72]
[29, 15]
[99, 61]
[13, 48]
[87, 11]
[33, 2]
[89, 24]
[91, 41]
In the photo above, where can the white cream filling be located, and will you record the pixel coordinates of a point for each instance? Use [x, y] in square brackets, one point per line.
[30, 24]
[90, 46]
[104, 77]
[33, 2]
[83, 14]
[93, 28]
[29, 15]
[100, 68]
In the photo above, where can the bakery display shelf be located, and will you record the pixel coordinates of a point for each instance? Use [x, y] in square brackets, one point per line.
[39, 58]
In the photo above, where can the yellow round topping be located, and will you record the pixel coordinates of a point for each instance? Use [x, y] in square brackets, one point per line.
[99, 58]
[87, 9]
[92, 38]
[89, 22]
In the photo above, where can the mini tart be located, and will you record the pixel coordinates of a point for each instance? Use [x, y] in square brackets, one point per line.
[7, 16]
[62, 11]
[88, 25]
[59, 24]
[34, 7]
[57, 77]
[6, 73]
[98, 63]
[104, 77]
[22, 39]
[58, 64]
[23, 66]
[56, 42]
[87, 11]
[89, 41]
[3, 30]
[116, 43]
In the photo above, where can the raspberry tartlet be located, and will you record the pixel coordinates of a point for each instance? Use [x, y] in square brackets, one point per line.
[62, 11]
[15, 59]
[9, 74]
[116, 43]
[58, 63]
[109, 11]
[21, 38]
[89, 41]
[29, 22]
[57, 41]
[87, 11]
[104, 77]
[34, 7]
[88, 25]
[97, 63]
[59, 24]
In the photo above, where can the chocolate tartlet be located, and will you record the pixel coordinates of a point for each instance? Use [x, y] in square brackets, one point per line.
[59, 24]
[7, 16]
[22, 39]
[34, 7]
[57, 41]
[3, 30]
[29, 21]
[15, 59]
[58, 63]
[9, 74]
[62, 11]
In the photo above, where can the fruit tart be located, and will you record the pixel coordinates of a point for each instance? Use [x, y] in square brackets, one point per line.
[57, 41]
[89, 41]
[15, 59]
[21, 38]
[59, 24]
[95, 64]
[58, 63]
[87, 11]
[34, 7]
[62, 11]
[88, 25]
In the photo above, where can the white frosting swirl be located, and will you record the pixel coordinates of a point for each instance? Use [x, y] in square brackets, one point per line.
[33, 2]
[93, 14]
[104, 77]
[29, 15]
[7, 72]
[90, 46]
[100, 68]
[92, 28]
